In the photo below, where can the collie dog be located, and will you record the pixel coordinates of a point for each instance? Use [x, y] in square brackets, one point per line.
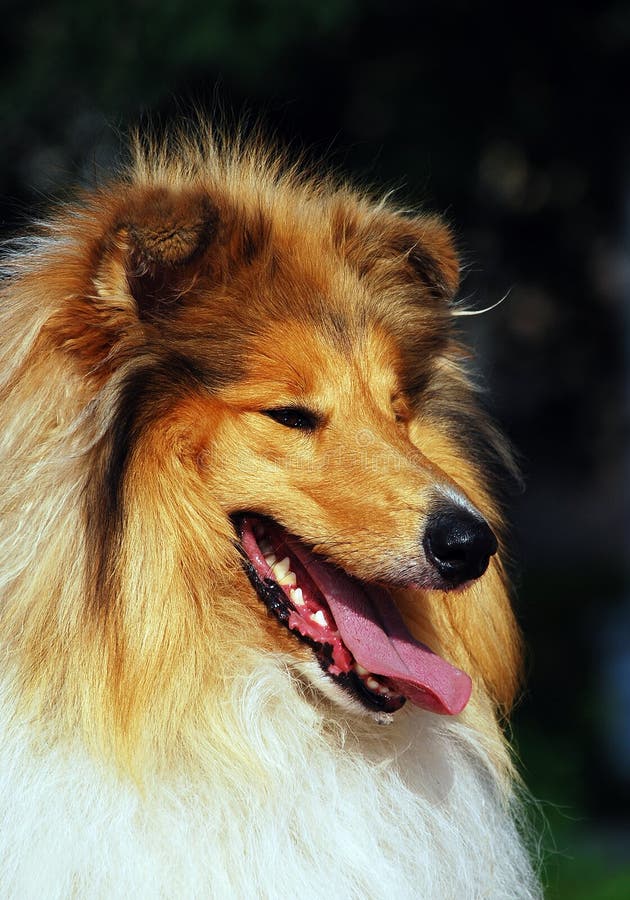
[256, 633]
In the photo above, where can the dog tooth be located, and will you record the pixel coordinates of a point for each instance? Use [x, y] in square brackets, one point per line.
[289, 578]
[320, 618]
[280, 569]
[270, 560]
[360, 670]
[373, 684]
[297, 596]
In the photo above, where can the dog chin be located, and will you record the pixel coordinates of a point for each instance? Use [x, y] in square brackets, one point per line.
[320, 685]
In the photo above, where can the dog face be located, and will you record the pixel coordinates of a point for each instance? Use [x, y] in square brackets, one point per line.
[315, 442]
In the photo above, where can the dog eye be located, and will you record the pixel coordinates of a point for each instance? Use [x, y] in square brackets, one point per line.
[294, 417]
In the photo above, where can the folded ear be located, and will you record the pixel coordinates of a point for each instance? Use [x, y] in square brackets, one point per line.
[134, 254]
[153, 241]
[419, 250]
[426, 245]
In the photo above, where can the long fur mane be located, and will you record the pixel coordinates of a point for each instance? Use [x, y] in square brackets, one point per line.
[149, 745]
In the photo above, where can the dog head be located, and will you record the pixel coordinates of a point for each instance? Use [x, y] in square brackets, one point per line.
[285, 426]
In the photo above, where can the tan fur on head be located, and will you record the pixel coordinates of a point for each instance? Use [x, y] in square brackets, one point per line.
[143, 335]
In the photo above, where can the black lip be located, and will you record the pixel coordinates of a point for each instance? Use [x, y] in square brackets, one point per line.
[279, 606]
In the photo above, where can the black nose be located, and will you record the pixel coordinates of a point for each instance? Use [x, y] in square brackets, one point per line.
[458, 544]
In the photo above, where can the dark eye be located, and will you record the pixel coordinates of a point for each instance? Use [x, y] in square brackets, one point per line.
[294, 417]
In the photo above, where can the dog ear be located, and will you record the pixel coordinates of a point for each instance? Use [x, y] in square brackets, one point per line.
[425, 245]
[134, 254]
[418, 250]
[155, 239]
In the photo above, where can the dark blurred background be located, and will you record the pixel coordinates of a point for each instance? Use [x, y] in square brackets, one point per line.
[513, 120]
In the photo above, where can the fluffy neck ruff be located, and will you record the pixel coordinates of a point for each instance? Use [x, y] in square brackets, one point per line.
[324, 806]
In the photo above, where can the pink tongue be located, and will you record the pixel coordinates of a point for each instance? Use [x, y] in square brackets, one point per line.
[373, 630]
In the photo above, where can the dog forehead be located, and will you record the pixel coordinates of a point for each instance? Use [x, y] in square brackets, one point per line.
[307, 357]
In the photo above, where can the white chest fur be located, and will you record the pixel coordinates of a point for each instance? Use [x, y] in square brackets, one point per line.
[329, 810]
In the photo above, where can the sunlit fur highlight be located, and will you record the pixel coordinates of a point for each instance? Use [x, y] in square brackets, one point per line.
[160, 737]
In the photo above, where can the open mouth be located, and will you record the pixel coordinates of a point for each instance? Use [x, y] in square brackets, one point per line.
[354, 628]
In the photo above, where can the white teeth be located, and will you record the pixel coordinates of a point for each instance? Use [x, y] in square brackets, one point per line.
[320, 618]
[280, 569]
[265, 547]
[289, 578]
[372, 683]
[270, 560]
[297, 596]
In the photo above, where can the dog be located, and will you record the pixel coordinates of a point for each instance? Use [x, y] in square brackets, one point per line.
[257, 639]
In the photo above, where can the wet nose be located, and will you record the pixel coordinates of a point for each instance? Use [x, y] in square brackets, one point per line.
[458, 544]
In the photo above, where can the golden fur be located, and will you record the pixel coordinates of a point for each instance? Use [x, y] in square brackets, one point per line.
[144, 328]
